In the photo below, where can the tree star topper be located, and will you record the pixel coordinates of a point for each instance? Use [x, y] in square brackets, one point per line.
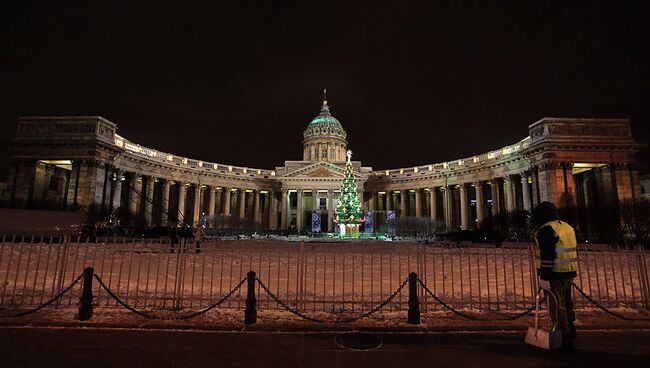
[349, 154]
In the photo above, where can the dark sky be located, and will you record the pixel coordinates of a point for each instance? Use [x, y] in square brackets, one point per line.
[237, 82]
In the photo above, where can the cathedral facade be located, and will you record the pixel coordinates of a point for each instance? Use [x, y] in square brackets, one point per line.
[76, 162]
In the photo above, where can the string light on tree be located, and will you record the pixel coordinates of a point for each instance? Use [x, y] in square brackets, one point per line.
[349, 214]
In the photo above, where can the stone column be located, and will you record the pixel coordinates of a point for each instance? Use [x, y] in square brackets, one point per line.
[117, 191]
[403, 202]
[196, 215]
[464, 213]
[218, 201]
[133, 195]
[480, 204]
[242, 203]
[182, 195]
[148, 204]
[283, 210]
[256, 208]
[330, 210]
[511, 203]
[446, 205]
[299, 210]
[212, 200]
[433, 204]
[525, 191]
[164, 205]
[418, 202]
[496, 202]
[389, 200]
[314, 199]
[535, 186]
[272, 206]
[227, 192]
[569, 185]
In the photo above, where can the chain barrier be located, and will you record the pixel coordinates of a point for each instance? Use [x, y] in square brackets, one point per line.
[58, 296]
[467, 316]
[312, 319]
[600, 306]
[151, 316]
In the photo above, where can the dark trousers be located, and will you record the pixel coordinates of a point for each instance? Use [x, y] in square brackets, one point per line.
[565, 316]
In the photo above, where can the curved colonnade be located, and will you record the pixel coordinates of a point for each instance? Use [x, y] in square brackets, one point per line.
[80, 161]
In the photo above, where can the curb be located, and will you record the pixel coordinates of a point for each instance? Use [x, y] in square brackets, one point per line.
[303, 327]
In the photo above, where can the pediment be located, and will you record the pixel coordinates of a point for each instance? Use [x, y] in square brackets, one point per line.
[319, 170]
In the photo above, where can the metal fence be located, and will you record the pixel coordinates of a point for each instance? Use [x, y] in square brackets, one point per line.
[314, 277]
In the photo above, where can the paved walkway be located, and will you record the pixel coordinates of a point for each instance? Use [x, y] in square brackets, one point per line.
[97, 347]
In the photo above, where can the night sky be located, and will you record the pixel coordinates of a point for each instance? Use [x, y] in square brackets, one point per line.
[237, 82]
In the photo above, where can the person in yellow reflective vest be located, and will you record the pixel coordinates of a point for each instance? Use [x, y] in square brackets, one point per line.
[557, 266]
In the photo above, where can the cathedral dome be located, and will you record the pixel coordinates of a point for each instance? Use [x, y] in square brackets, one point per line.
[324, 138]
[324, 125]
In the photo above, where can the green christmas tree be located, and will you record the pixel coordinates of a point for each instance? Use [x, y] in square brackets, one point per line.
[348, 210]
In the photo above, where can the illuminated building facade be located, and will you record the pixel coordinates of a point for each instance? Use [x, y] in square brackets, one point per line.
[76, 162]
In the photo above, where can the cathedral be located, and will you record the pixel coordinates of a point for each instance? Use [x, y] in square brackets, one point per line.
[76, 162]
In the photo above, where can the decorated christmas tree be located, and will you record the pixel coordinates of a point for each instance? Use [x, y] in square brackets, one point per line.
[348, 210]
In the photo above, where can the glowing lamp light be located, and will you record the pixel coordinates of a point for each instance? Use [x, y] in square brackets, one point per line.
[229, 168]
[430, 167]
[170, 158]
[415, 169]
[401, 171]
[245, 171]
[445, 165]
[272, 173]
[387, 172]
[200, 163]
[259, 172]
[215, 166]
[185, 161]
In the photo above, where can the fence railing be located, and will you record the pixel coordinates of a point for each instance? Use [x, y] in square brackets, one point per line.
[323, 277]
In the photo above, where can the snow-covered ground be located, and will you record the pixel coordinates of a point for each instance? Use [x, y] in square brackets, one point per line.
[314, 277]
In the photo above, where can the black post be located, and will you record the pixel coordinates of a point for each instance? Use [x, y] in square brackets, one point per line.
[414, 303]
[86, 300]
[250, 314]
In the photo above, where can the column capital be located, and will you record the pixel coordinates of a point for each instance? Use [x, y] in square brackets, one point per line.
[550, 165]
[330, 192]
[478, 184]
[567, 165]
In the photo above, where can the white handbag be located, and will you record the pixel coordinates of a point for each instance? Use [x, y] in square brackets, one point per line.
[536, 336]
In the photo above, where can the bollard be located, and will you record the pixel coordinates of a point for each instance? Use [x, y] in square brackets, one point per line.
[86, 299]
[250, 314]
[414, 303]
